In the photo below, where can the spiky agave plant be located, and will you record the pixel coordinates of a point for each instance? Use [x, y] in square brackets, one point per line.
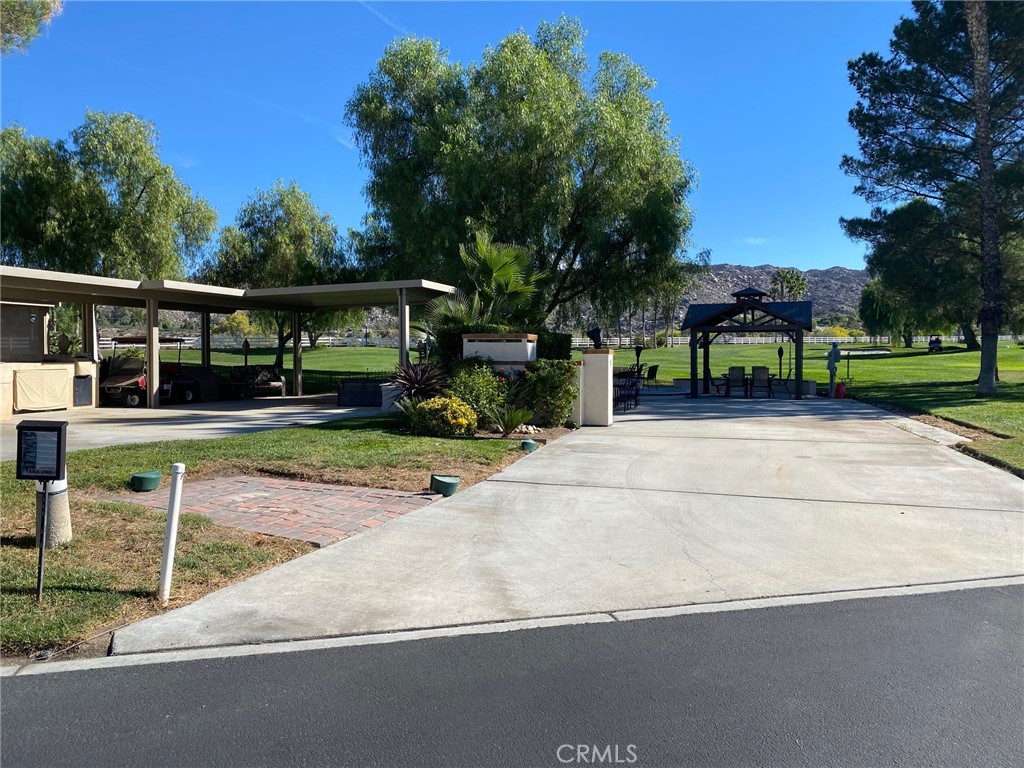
[419, 381]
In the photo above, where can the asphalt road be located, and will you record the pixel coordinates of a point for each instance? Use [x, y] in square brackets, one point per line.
[934, 680]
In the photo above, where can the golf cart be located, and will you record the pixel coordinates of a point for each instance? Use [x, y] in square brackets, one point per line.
[125, 381]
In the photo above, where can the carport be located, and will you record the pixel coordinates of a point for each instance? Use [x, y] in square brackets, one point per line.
[43, 287]
[750, 313]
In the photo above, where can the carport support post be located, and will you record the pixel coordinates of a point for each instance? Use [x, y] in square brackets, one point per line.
[403, 328]
[707, 363]
[90, 340]
[204, 339]
[152, 353]
[693, 363]
[296, 354]
[799, 365]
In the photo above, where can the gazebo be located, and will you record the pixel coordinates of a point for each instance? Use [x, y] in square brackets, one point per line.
[751, 312]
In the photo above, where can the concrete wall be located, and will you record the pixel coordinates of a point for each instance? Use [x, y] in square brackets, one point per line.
[511, 351]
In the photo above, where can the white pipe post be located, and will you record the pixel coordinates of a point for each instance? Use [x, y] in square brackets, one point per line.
[171, 539]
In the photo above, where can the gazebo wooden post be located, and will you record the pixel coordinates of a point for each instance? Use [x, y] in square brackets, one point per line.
[693, 362]
[706, 338]
[799, 364]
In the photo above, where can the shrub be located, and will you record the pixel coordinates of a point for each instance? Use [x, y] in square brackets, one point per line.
[419, 382]
[508, 417]
[443, 417]
[475, 383]
[409, 407]
[549, 387]
[552, 345]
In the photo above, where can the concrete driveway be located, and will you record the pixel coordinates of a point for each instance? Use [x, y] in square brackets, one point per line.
[680, 502]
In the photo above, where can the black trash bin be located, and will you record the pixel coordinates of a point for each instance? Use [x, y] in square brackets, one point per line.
[82, 391]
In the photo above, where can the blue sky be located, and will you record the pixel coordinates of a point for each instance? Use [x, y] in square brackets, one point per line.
[245, 93]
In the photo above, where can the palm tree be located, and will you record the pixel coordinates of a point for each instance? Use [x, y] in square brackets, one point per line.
[788, 283]
[503, 276]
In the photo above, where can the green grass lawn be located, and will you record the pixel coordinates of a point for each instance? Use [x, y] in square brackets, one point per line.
[319, 359]
[108, 574]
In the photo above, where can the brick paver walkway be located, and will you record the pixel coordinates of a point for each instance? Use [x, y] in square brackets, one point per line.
[314, 512]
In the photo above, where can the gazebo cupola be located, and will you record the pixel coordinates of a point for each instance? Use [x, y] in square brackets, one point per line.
[751, 294]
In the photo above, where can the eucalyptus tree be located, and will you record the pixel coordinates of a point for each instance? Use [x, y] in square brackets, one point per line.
[577, 166]
[102, 203]
[882, 313]
[941, 117]
[21, 21]
[280, 238]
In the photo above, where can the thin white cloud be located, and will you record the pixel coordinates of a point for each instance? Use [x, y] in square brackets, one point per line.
[386, 19]
[183, 161]
[343, 138]
[753, 240]
[334, 130]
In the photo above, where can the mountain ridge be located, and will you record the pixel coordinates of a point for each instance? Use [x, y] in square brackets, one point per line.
[835, 289]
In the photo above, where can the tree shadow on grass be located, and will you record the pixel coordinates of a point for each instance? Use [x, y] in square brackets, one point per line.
[20, 542]
[50, 589]
[931, 394]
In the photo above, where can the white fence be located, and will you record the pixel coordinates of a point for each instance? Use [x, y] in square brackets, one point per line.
[263, 342]
[683, 341]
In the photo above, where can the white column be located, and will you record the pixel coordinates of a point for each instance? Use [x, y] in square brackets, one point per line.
[598, 402]
[403, 328]
[152, 353]
[296, 354]
[204, 339]
[90, 336]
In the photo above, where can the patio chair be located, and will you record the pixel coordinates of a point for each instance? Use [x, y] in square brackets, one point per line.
[651, 378]
[737, 378]
[760, 379]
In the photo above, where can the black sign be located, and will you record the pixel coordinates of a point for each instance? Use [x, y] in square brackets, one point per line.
[42, 447]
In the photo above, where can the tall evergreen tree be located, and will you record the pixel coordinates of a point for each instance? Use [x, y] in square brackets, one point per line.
[941, 118]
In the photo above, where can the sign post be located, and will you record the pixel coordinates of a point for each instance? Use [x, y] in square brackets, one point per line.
[41, 456]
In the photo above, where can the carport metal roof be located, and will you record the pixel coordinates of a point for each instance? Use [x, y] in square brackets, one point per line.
[19, 284]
